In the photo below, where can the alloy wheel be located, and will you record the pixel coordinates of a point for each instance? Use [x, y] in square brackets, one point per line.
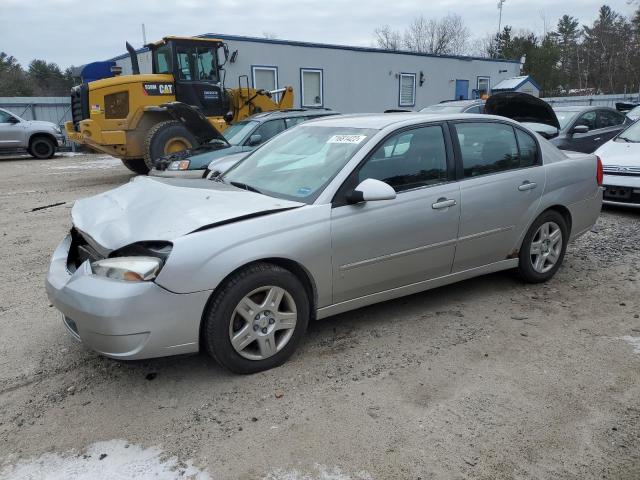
[546, 247]
[263, 322]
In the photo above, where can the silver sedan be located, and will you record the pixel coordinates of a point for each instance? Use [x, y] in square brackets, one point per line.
[327, 217]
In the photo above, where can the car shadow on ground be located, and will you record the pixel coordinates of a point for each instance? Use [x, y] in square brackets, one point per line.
[447, 299]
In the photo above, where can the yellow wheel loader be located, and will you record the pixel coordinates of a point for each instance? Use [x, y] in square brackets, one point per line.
[130, 116]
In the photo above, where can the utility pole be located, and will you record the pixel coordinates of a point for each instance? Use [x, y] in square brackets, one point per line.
[144, 34]
[500, 3]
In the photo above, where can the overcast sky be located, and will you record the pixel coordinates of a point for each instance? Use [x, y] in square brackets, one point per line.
[74, 32]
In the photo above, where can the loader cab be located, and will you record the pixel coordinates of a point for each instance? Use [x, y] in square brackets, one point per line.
[197, 68]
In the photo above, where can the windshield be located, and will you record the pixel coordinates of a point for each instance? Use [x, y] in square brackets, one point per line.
[237, 133]
[442, 109]
[631, 134]
[298, 163]
[634, 112]
[565, 117]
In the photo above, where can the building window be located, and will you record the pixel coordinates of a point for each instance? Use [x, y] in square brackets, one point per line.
[484, 86]
[265, 78]
[407, 90]
[311, 87]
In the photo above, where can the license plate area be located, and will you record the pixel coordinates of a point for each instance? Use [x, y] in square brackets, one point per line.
[617, 193]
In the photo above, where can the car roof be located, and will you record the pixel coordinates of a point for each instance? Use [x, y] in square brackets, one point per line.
[379, 121]
[580, 108]
[293, 113]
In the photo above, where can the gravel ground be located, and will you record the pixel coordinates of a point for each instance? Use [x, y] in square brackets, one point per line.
[485, 379]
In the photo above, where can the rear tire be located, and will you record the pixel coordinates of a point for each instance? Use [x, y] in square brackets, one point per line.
[41, 148]
[167, 137]
[136, 165]
[543, 248]
[264, 311]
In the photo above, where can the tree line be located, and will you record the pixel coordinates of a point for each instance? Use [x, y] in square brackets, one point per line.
[40, 79]
[571, 59]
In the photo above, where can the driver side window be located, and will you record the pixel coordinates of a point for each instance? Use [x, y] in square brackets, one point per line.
[4, 117]
[410, 159]
[588, 119]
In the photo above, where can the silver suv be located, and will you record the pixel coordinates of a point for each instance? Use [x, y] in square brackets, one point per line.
[39, 139]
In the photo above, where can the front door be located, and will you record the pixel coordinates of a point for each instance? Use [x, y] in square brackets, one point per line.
[502, 184]
[387, 244]
[11, 131]
[462, 90]
[197, 79]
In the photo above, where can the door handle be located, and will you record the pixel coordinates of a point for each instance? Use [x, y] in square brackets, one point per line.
[443, 203]
[527, 185]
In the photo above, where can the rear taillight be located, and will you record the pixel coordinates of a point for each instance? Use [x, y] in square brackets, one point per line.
[599, 172]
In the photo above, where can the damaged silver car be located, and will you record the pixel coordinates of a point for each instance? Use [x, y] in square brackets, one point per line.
[329, 216]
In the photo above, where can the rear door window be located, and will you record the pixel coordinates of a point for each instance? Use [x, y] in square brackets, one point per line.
[608, 118]
[487, 148]
[293, 121]
[528, 149]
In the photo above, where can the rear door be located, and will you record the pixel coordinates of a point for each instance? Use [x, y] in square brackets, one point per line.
[501, 183]
[609, 123]
[378, 246]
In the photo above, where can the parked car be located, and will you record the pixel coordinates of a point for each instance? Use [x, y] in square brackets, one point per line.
[455, 106]
[332, 215]
[243, 136]
[621, 164]
[40, 139]
[584, 129]
[634, 113]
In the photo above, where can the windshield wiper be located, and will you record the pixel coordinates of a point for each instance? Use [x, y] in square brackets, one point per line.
[245, 187]
[628, 140]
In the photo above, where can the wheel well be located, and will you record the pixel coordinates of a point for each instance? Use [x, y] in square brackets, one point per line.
[40, 135]
[566, 214]
[292, 266]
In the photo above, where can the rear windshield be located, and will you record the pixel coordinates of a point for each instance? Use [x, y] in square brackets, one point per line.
[443, 109]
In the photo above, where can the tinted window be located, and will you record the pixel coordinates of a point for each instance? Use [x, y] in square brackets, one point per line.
[409, 159]
[588, 119]
[292, 122]
[487, 148]
[528, 149]
[4, 117]
[608, 118]
[269, 129]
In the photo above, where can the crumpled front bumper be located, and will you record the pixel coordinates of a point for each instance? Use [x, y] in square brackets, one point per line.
[125, 320]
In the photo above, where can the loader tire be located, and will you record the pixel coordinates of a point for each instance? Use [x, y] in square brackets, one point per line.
[166, 137]
[136, 165]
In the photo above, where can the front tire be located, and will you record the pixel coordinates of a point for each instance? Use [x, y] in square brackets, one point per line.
[543, 248]
[136, 165]
[257, 319]
[41, 148]
[167, 137]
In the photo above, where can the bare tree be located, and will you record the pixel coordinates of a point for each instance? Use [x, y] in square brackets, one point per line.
[446, 36]
[387, 38]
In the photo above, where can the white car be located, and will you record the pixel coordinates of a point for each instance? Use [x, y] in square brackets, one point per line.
[40, 139]
[621, 165]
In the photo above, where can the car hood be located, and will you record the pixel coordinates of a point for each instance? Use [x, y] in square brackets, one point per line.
[622, 154]
[224, 163]
[201, 160]
[164, 209]
[521, 107]
[41, 124]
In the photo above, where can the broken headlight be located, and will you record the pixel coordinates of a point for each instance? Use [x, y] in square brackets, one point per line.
[139, 262]
[130, 269]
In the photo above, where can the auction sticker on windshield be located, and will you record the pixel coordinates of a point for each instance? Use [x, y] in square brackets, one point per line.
[346, 139]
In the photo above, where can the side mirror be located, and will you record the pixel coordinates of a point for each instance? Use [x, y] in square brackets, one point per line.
[371, 190]
[254, 140]
[13, 120]
[580, 129]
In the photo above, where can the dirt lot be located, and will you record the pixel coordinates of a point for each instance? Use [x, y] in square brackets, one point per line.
[486, 379]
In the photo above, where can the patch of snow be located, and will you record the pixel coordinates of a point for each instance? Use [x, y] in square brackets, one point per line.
[320, 473]
[100, 163]
[110, 460]
[69, 154]
[633, 341]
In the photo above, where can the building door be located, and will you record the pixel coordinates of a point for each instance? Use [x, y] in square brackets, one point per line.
[462, 90]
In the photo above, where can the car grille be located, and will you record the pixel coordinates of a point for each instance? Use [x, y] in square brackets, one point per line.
[80, 252]
[79, 104]
[618, 170]
[621, 194]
